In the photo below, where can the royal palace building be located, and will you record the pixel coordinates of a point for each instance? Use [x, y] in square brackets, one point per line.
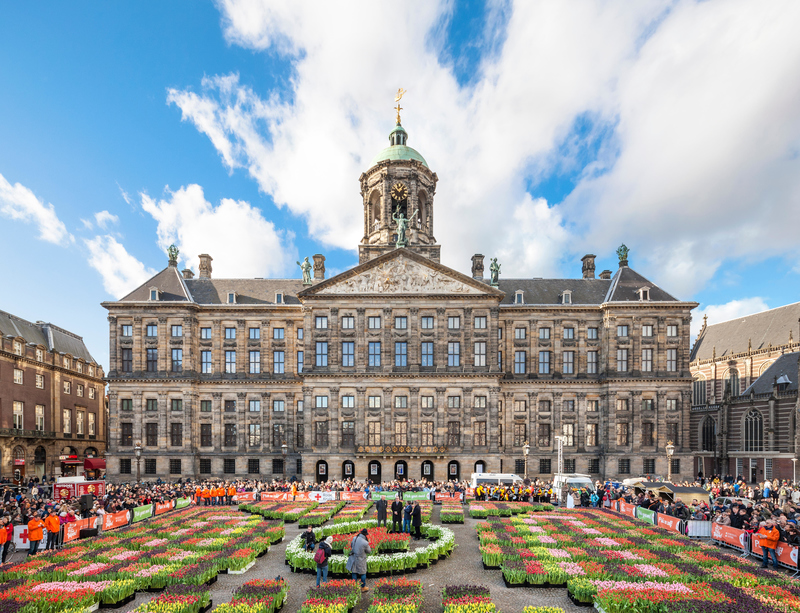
[399, 367]
[52, 402]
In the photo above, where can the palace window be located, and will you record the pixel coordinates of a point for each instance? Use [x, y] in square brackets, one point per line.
[254, 363]
[591, 334]
[127, 331]
[698, 392]
[278, 406]
[374, 433]
[520, 333]
[230, 333]
[543, 439]
[127, 360]
[177, 331]
[754, 431]
[647, 434]
[322, 354]
[426, 434]
[205, 362]
[568, 362]
[176, 404]
[176, 435]
[230, 406]
[453, 433]
[673, 433]
[622, 434]
[568, 407]
[568, 433]
[622, 331]
[544, 467]
[401, 323]
[278, 436]
[348, 322]
[126, 434]
[321, 402]
[520, 362]
[230, 435]
[427, 354]
[544, 362]
[205, 435]
[151, 434]
[622, 360]
[177, 360]
[151, 404]
[709, 435]
[401, 433]
[520, 434]
[254, 334]
[205, 333]
[348, 434]
[278, 362]
[647, 360]
[479, 435]
[152, 360]
[591, 436]
[254, 406]
[374, 354]
[401, 402]
[321, 322]
[453, 323]
[401, 354]
[321, 433]
[647, 330]
[479, 354]
[454, 354]
[374, 323]
[230, 362]
[544, 334]
[480, 323]
[591, 362]
[427, 323]
[348, 354]
[672, 361]
[152, 330]
[569, 334]
[672, 330]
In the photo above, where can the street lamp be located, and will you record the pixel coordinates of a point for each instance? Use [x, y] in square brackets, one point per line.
[137, 451]
[670, 448]
[284, 451]
[526, 449]
[794, 472]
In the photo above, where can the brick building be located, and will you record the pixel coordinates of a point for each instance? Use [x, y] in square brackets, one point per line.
[399, 367]
[52, 401]
[744, 397]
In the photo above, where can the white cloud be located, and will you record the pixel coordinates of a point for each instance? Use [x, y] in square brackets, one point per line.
[234, 233]
[717, 313]
[703, 99]
[87, 224]
[105, 219]
[121, 272]
[21, 204]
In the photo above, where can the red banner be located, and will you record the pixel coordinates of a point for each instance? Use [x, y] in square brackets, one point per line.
[627, 509]
[731, 536]
[787, 554]
[116, 520]
[669, 523]
[446, 496]
[245, 497]
[75, 490]
[355, 496]
[72, 530]
[163, 507]
[275, 496]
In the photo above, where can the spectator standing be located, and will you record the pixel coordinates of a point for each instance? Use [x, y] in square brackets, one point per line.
[381, 508]
[416, 520]
[322, 559]
[357, 560]
[35, 533]
[397, 514]
[769, 541]
[53, 526]
[407, 518]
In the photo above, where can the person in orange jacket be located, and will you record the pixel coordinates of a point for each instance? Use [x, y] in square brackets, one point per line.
[206, 496]
[4, 541]
[53, 526]
[220, 495]
[35, 533]
[198, 495]
[769, 541]
[231, 493]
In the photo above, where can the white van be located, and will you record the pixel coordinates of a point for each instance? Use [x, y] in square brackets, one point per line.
[573, 480]
[477, 479]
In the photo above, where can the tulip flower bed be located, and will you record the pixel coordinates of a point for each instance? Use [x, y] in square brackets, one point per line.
[379, 539]
[398, 595]
[260, 596]
[187, 547]
[452, 512]
[482, 510]
[623, 566]
[178, 599]
[379, 562]
[354, 511]
[289, 512]
[335, 596]
[467, 599]
[320, 514]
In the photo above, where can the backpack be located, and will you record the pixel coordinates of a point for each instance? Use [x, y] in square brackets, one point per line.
[319, 557]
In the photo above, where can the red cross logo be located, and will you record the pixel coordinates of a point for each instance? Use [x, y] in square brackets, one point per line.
[24, 536]
[316, 496]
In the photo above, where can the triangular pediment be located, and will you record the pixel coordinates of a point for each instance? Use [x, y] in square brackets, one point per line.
[401, 272]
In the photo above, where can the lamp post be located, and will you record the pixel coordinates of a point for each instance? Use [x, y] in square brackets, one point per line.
[137, 451]
[284, 451]
[670, 449]
[794, 471]
[526, 449]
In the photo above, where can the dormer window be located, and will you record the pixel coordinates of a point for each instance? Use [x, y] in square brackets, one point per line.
[17, 348]
[783, 383]
[519, 298]
[644, 293]
[566, 297]
[231, 297]
[278, 298]
[154, 293]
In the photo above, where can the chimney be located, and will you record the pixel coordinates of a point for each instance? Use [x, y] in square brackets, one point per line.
[187, 273]
[477, 266]
[588, 266]
[319, 267]
[205, 266]
[606, 274]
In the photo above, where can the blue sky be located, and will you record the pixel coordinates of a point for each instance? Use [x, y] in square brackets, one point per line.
[241, 130]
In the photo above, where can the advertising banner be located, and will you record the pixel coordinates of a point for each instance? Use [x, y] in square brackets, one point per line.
[72, 530]
[322, 496]
[416, 496]
[182, 503]
[116, 520]
[733, 537]
[379, 495]
[787, 554]
[646, 515]
[627, 509]
[447, 496]
[669, 523]
[64, 491]
[275, 496]
[355, 496]
[244, 497]
[96, 488]
[163, 507]
[142, 513]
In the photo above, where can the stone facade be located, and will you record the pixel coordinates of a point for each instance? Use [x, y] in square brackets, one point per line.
[52, 400]
[400, 367]
[737, 368]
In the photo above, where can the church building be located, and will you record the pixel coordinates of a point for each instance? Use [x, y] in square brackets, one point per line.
[399, 368]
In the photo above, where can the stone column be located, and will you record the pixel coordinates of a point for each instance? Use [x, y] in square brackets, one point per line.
[494, 421]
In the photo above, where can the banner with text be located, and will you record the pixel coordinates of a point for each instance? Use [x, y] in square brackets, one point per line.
[163, 507]
[787, 554]
[116, 520]
[627, 509]
[646, 515]
[387, 495]
[669, 523]
[416, 495]
[354, 496]
[182, 503]
[244, 497]
[733, 537]
[322, 496]
[447, 496]
[143, 512]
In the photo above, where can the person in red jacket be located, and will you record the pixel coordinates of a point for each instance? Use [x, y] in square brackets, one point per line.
[769, 541]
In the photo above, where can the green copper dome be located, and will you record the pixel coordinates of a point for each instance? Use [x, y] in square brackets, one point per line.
[398, 150]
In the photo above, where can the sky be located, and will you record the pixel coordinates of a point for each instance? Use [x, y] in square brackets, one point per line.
[240, 129]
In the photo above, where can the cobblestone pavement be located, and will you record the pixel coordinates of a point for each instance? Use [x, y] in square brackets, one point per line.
[463, 566]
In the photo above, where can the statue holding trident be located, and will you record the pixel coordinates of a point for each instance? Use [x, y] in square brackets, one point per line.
[402, 225]
[305, 266]
[494, 271]
[397, 98]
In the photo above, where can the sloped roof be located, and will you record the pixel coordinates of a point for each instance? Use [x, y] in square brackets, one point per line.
[45, 334]
[626, 283]
[169, 282]
[785, 365]
[548, 291]
[248, 291]
[761, 329]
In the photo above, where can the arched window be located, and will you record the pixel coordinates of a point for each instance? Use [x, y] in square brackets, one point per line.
[753, 431]
[699, 392]
[90, 452]
[732, 382]
[709, 434]
[19, 453]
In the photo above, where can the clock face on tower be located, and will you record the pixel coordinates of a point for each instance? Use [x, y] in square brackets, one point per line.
[399, 191]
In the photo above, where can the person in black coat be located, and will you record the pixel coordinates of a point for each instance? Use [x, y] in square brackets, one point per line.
[381, 507]
[416, 520]
[397, 515]
[310, 539]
